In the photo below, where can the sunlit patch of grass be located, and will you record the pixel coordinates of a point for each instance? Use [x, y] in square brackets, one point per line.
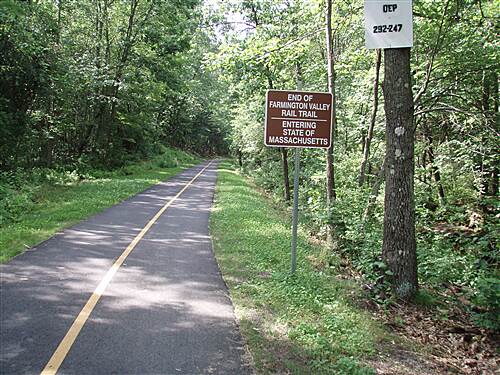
[57, 206]
[293, 324]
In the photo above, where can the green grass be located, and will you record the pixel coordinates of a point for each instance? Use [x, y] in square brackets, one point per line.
[54, 205]
[301, 324]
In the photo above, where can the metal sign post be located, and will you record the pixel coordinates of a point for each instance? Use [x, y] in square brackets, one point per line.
[295, 212]
[297, 119]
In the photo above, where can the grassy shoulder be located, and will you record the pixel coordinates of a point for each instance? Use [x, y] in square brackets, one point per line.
[299, 324]
[38, 209]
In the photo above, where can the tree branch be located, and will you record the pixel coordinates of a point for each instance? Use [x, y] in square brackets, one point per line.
[429, 68]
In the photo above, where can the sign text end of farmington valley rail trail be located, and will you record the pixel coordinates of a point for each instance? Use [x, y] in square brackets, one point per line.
[298, 119]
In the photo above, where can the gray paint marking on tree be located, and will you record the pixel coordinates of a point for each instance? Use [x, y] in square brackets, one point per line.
[399, 247]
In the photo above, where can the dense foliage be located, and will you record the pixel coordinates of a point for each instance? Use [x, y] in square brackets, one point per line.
[455, 64]
[99, 83]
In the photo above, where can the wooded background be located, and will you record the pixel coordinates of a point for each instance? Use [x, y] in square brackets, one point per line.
[97, 84]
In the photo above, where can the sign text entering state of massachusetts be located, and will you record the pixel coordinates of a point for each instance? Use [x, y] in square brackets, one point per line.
[298, 119]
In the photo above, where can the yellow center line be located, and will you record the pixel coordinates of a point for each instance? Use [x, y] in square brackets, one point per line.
[67, 342]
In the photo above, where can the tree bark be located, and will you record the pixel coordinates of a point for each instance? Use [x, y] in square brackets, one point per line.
[496, 125]
[59, 13]
[94, 129]
[399, 246]
[480, 165]
[434, 168]
[369, 136]
[374, 193]
[283, 150]
[122, 63]
[424, 166]
[240, 158]
[330, 170]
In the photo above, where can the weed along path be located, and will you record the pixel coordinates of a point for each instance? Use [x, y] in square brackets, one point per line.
[133, 290]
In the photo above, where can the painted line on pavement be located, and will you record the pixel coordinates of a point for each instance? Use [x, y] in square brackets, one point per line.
[67, 342]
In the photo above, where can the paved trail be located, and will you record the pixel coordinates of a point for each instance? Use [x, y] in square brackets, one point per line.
[165, 311]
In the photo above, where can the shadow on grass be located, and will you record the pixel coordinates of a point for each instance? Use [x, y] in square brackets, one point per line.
[300, 324]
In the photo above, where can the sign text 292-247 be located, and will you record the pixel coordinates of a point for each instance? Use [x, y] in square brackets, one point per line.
[388, 28]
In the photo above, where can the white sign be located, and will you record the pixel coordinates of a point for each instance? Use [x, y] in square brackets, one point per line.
[388, 24]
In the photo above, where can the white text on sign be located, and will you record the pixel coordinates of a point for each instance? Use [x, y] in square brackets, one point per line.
[298, 119]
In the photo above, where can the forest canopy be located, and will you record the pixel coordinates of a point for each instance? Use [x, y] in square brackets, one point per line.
[104, 82]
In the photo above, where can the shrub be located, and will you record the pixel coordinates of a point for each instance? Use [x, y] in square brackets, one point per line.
[487, 299]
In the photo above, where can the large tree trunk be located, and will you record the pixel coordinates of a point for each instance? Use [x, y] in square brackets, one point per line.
[399, 246]
[369, 136]
[330, 171]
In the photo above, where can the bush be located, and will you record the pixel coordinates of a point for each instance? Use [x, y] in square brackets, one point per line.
[171, 158]
[487, 299]
[13, 203]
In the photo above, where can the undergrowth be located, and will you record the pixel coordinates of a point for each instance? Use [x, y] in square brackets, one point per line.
[457, 242]
[301, 323]
[36, 203]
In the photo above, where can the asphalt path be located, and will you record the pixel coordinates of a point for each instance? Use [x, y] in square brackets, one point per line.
[165, 311]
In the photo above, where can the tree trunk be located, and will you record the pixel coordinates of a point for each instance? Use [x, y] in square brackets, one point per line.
[240, 158]
[374, 193]
[496, 126]
[480, 164]
[369, 136]
[128, 43]
[330, 171]
[283, 150]
[59, 12]
[399, 246]
[95, 127]
[424, 166]
[434, 169]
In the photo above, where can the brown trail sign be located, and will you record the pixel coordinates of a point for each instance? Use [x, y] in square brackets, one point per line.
[298, 119]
